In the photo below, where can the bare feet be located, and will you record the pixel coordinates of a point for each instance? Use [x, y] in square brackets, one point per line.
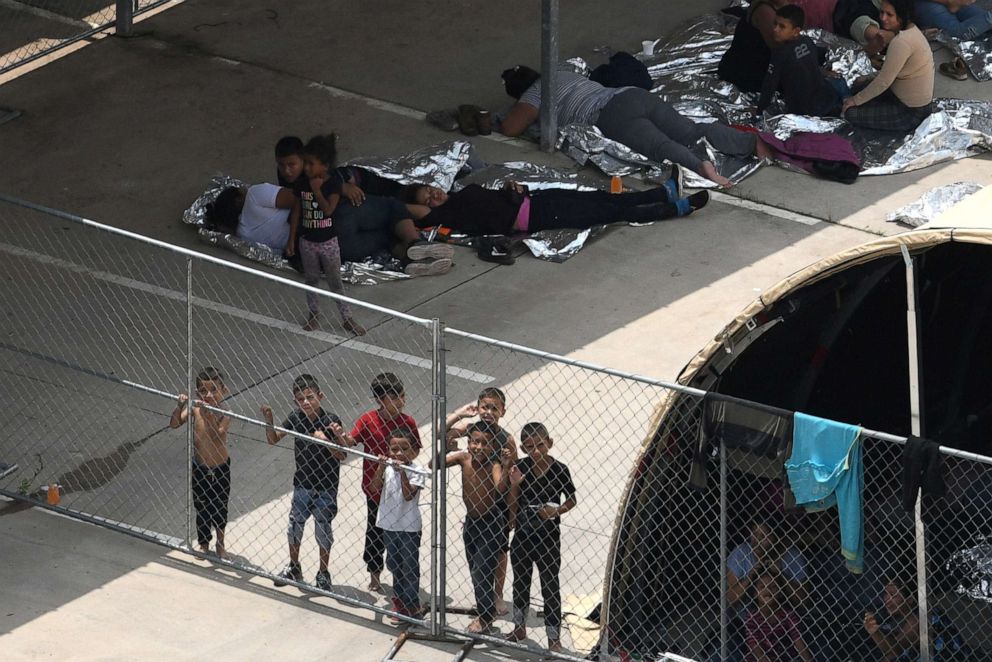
[374, 584]
[221, 552]
[477, 626]
[501, 607]
[708, 170]
[205, 548]
[518, 633]
[353, 327]
[312, 323]
[554, 645]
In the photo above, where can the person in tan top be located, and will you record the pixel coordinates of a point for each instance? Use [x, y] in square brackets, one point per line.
[211, 478]
[901, 95]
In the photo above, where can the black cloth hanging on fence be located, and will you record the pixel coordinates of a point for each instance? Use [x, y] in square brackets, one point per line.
[922, 469]
[757, 429]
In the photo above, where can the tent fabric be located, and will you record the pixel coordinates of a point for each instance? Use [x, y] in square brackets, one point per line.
[969, 219]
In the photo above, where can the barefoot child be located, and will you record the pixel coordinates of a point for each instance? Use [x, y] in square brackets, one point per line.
[484, 486]
[211, 475]
[372, 430]
[315, 482]
[490, 408]
[541, 491]
[318, 236]
[399, 519]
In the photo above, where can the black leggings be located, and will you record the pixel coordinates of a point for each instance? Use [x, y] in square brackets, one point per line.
[540, 546]
[555, 209]
[375, 543]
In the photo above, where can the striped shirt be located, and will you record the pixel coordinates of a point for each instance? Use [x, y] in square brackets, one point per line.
[579, 99]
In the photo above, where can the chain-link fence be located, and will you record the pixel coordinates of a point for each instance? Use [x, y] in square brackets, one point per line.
[556, 525]
[35, 28]
[725, 551]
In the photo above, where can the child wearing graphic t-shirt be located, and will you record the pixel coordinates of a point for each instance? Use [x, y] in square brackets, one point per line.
[541, 491]
[315, 225]
[399, 518]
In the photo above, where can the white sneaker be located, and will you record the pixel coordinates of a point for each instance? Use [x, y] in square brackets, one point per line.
[429, 267]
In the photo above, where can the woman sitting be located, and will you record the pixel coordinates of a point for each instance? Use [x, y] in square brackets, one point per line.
[628, 115]
[901, 95]
[477, 211]
[746, 61]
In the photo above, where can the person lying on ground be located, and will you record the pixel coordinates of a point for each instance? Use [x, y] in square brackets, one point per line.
[746, 61]
[478, 211]
[901, 95]
[258, 213]
[795, 70]
[631, 116]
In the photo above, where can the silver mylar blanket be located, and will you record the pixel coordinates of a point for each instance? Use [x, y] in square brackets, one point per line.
[683, 72]
[437, 165]
[933, 203]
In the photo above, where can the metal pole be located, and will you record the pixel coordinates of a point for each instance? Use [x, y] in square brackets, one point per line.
[124, 18]
[434, 454]
[549, 74]
[191, 392]
[916, 426]
[439, 509]
[724, 624]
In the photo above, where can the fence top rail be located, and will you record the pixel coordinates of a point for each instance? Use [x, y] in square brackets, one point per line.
[557, 358]
[196, 255]
[679, 388]
[522, 349]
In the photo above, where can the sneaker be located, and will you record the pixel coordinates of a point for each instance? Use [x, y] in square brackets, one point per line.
[422, 250]
[495, 250]
[323, 580]
[430, 267]
[291, 573]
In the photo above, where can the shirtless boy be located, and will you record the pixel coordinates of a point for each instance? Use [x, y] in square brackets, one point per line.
[485, 480]
[211, 477]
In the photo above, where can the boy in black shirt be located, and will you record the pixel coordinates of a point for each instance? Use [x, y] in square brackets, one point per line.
[538, 483]
[795, 70]
[315, 482]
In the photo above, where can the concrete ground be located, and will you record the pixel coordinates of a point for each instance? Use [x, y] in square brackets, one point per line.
[129, 131]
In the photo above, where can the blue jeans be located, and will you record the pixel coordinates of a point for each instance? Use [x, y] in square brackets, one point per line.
[485, 540]
[322, 506]
[967, 23]
[403, 561]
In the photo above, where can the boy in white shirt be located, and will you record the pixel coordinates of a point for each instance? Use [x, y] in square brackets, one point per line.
[399, 518]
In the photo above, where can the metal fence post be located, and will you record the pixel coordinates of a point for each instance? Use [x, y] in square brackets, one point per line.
[549, 74]
[438, 483]
[190, 390]
[723, 552]
[916, 426]
[124, 18]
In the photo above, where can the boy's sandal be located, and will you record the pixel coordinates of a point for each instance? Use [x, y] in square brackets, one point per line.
[955, 69]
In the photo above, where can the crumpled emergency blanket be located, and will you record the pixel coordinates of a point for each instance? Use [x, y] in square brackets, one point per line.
[929, 206]
[683, 69]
